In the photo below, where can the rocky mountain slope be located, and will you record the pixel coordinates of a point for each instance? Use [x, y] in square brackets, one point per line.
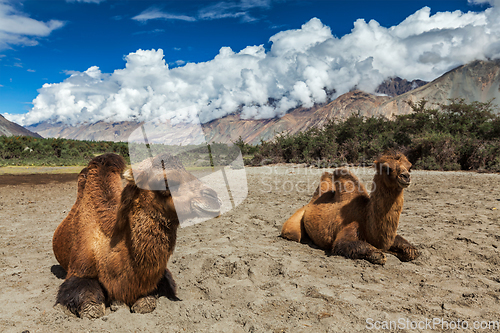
[396, 86]
[476, 81]
[8, 128]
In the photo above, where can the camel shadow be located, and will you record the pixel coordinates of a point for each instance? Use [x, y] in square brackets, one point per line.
[58, 271]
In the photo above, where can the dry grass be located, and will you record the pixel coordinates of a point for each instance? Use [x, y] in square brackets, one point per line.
[27, 170]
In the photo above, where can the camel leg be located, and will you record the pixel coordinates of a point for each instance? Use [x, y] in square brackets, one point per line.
[145, 304]
[348, 244]
[403, 249]
[166, 287]
[293, 228]
[83, 297]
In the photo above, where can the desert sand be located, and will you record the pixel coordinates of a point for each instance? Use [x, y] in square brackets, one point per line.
[235, 274]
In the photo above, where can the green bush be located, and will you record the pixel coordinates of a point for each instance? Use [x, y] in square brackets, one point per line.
[26, 150]
[456, 136]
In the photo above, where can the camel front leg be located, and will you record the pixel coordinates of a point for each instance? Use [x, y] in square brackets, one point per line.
[82, 296]
[403, 249]
[293, 228]
[166, 287]
[145, 304]
[349, 245]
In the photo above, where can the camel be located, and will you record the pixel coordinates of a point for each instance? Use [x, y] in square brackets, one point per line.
[344, 219]
[116, 241]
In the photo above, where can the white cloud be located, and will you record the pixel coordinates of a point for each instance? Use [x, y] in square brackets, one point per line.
[86, 1]
[228, 9]
[16, 28]
[480, 2]
[220, 10]
[156, 13]
[179, 63]
[304, 66]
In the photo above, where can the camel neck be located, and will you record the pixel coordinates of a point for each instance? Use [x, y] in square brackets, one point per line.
[384, 210]
[153, 235]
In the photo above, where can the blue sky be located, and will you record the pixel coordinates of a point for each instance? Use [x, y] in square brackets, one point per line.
[47, 41]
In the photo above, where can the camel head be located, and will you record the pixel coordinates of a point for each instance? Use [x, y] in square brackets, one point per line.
[393, 169]
[176, 189]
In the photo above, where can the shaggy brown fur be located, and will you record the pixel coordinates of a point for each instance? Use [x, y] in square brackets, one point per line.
[343, 218]
[115, 242]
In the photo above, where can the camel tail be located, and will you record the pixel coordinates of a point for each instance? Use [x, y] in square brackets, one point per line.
[293, 228]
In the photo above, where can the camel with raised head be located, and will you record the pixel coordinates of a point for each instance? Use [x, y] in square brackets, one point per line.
[343, 218]
[115, 242]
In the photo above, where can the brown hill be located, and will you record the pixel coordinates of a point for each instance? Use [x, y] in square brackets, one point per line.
[476, 81]
[100, 131]
[8, 128]
[230, 128]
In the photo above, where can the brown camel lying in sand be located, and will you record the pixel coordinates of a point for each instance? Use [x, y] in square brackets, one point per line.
[341, 217]
[115, 242]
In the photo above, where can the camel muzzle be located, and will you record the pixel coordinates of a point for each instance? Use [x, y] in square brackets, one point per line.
[208, 204]
[404, 180]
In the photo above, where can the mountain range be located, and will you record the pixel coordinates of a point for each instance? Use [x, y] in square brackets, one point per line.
[8, 128]
[476, 81]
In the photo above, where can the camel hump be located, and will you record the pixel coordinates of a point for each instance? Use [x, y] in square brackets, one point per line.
[325, 185]
[108, 163]
[346, 185]
[343, 175]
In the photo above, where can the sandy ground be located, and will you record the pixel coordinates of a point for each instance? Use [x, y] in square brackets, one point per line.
[235, 274]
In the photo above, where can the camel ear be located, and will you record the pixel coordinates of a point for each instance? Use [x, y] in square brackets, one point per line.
[128, 175]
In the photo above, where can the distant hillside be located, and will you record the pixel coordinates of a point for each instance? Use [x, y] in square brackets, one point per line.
[477, 81]
[8, 128]
[100, 131]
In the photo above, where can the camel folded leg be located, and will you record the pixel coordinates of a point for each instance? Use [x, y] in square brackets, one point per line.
[293, 228]
[145, 304]
[402, 249]
[166, 287]
[349, 245]
[83, 297]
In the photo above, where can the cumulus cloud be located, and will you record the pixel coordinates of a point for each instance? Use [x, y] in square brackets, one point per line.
[16, 28]
[303, 67]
